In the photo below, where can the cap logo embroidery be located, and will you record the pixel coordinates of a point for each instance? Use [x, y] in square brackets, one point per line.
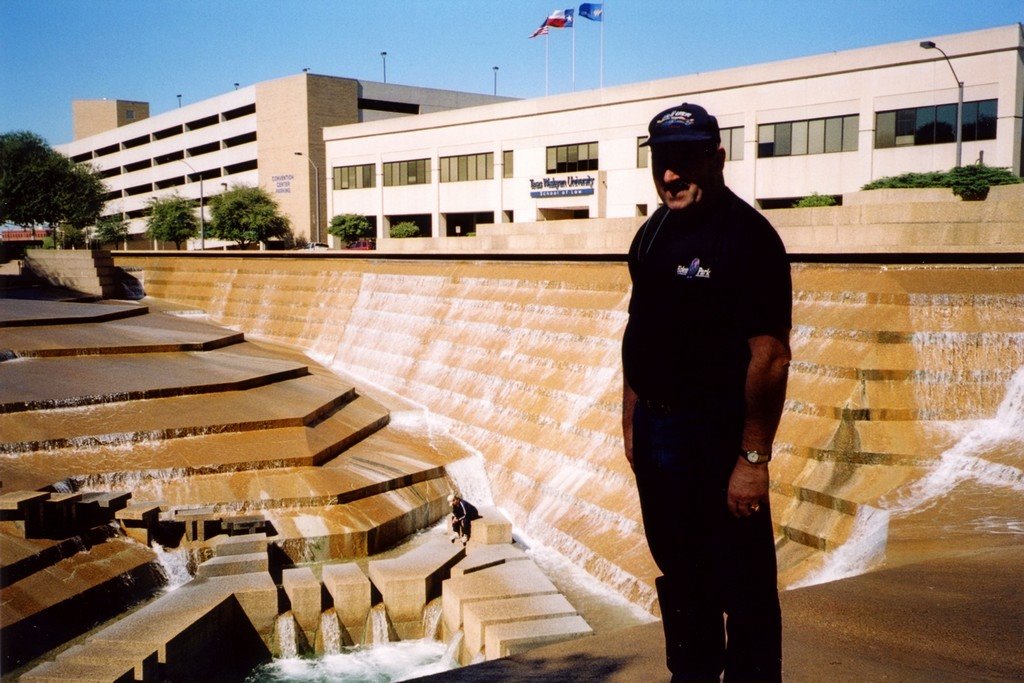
[676, 117]
[694, 270]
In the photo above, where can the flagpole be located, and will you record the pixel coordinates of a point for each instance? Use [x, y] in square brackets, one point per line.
[574, 56]
[601, 66]
[545, 65]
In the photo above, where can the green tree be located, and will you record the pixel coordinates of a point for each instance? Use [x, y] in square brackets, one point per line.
[111, 229]
[405, 229]
[172, 219]
[246, 215]
[40, 186]
[816, 199]
[349, 227]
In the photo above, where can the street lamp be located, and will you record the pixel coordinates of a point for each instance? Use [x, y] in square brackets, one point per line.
[929, 45]
[316, 172]
[495, 79]
[202, 214]
[384, 61]
[179, 101]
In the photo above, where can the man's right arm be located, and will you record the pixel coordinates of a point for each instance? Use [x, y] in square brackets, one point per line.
[628, 406]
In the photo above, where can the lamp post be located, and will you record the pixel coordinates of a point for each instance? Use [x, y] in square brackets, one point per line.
[179, 101]
[384, 61]
[202, 213]
[495, 79]
[316, 172]
[929, 45]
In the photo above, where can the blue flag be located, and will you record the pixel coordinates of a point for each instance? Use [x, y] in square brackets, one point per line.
[592, 10]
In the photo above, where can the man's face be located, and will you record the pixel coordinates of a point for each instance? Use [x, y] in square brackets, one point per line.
[685, 172]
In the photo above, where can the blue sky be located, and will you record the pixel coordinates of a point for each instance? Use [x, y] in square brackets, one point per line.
[54, 51]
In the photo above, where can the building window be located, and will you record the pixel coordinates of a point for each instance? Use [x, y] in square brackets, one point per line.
[506, 164]
[813, 136]
[572, 158]
[414, 172]
[732, 143]
[354, 177]
[934, 124]
[643, 154]
[129, 114]
[467, 167]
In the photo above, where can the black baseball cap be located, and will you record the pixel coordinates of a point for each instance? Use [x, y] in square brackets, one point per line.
[683, 123]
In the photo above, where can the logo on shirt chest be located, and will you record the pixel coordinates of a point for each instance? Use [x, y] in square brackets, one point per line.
[693, 270]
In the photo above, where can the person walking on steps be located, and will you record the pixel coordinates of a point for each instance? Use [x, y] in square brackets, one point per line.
[705, 359]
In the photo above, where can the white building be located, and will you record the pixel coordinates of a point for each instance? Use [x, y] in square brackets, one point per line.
[267, 135]
[825, 124]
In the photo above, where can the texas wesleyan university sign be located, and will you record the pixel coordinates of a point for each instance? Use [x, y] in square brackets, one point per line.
[569, 186]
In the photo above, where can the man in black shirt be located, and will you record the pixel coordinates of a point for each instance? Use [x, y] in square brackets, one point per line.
[705, 360]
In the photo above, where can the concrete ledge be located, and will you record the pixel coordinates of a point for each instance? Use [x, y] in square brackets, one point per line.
[303, 591]
[65, 671]
[248, 544]
[481, 616]
[509, 639]
[484, 556]
[408, 582]
[511, 580]
[141, 656]
[233, 564]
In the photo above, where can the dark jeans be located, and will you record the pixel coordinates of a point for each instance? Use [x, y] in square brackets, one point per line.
[718, 593]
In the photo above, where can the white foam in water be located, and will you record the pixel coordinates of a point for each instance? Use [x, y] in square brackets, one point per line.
[964, 461]
[330, 632]
[398, 661]
[287, 640]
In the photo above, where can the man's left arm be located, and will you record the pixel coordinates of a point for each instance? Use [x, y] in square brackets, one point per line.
[765, 396]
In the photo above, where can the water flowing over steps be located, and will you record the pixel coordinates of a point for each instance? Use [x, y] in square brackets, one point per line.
[890, 364]
[189, 421]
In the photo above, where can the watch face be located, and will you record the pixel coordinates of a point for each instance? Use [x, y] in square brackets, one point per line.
[754, 457]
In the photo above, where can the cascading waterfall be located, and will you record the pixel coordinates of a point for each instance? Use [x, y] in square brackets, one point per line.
[174, 564]
[330, 632]
[968, 460]
[432, 619]
[287, 636]
[379, 631]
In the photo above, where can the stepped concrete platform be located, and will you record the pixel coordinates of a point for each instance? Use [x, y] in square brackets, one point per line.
[490, 528]
[483, 556]
[516, 579]
[148, 333]
[26, 313]
[409, 582]
[44, 608]
[480, 617]
[142, 657]
[133, 377]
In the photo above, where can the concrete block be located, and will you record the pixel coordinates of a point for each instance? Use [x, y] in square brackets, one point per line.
[139, 520]
[484, 556]
[303, 590]
[490, 528]
[25, 508]
[244, 524]
[80, 672]
[59, 514]
[350, 590]
[257, 594]
[141, 656]
[233, 564]
[479, 616]
[195, 520]
[515, 579]
[503, 640]
[408, 582]
[239, 545]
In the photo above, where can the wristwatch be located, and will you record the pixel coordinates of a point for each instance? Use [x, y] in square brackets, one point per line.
[756, 458]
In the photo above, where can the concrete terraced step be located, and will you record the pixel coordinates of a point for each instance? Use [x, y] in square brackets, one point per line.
[28, 313]
[361, 527]
[153, 332]
[113, 466]
[100, 582]
[350, 479]
[290, 403]
[27, 384]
